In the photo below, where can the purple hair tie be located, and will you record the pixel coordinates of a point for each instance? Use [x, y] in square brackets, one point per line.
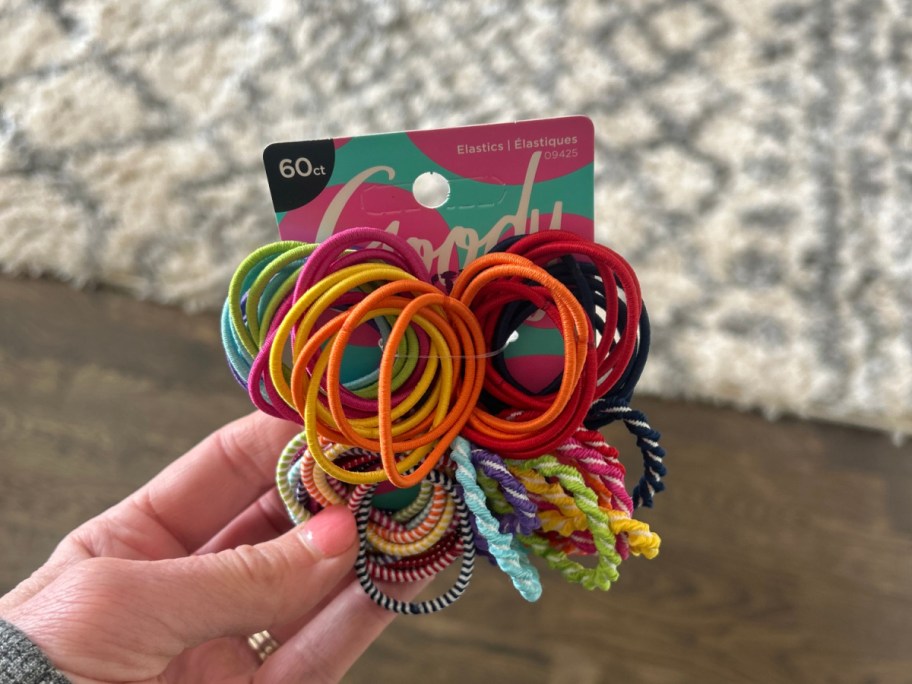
[524, 518]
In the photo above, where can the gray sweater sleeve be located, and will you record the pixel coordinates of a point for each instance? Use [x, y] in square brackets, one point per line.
[22, 662]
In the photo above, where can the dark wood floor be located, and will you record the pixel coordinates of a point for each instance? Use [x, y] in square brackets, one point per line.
[787, 553]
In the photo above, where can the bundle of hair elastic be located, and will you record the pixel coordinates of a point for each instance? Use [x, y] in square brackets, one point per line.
[486, 465]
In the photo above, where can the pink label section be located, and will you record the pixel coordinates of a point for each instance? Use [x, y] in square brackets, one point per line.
[502, 150]
[536, 371]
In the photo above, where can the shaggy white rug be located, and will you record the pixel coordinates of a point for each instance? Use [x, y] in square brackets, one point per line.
[754, 159]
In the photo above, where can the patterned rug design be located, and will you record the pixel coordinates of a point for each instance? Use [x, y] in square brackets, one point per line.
[754, 159]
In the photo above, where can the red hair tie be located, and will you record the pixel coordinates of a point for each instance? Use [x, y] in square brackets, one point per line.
[533, 425]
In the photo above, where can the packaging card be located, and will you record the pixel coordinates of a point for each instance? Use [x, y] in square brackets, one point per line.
[452, 193]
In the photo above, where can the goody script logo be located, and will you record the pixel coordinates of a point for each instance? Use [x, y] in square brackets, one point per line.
[441, 255]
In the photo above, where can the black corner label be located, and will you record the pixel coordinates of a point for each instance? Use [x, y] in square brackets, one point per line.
[297, 172]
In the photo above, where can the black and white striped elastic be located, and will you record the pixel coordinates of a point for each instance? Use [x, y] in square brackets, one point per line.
[360, 503]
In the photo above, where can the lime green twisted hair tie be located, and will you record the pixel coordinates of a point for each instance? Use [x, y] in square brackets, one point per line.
[605, 572]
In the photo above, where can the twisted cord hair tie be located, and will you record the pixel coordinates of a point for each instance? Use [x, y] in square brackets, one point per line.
[601, 490]
[557, 510]
[605, 572]
[595, 458]
[600, 467]
[647, 440]
[509, 555]
[521, 516]
[360, 503]
[569, 517]
[616, 406]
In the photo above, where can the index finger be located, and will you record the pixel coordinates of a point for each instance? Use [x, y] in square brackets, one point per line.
[201, 492]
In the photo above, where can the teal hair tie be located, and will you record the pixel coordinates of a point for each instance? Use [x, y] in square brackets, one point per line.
[509, 554]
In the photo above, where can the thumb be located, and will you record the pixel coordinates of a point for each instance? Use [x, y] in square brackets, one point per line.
[250, 588]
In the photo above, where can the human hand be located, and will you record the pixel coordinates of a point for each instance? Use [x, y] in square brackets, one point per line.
[166, 585]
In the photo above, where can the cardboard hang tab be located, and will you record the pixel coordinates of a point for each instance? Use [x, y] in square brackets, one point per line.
[501, 180]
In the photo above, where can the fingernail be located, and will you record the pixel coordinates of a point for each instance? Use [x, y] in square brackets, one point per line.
[331, 532]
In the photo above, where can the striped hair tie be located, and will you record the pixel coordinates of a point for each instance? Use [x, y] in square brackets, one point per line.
[360, 504]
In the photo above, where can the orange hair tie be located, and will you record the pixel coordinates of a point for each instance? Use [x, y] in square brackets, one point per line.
[427, 427]
[532, 430]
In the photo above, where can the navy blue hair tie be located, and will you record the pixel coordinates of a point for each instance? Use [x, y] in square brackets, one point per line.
[584, 282]
[615, 406]
[581, 279]
[623, 390]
